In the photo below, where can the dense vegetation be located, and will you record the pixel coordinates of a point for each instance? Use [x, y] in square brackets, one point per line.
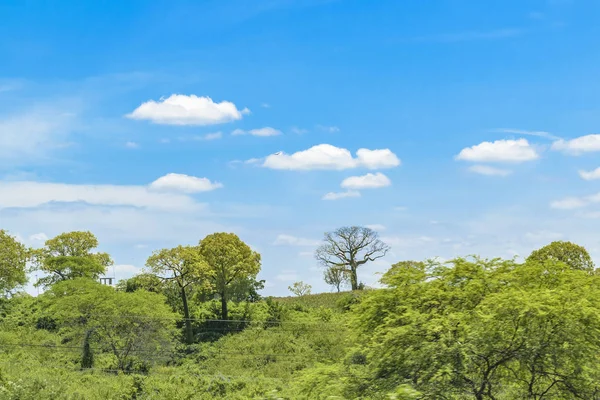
[194, 326]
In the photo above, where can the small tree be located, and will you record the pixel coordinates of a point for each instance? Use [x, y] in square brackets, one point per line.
[230, 259]
[573, 255]
[13, 263]
[336, 277]
[69, 256]
[300, 288]
[350, 247]
[185, 266]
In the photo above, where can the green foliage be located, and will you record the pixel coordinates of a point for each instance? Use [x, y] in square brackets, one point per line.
[145, 281]
[70, 256]
[300, 288]
[13, 263]
[573, 255]
[230, 260]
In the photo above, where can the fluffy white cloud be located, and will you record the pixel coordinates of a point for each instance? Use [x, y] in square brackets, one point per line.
[184, 183]
[499, 151]
[179, 109]
[328, 157]
[368, 181]
[132, 145]
[576, 202]
[35, 194]
[490, 171]
[582, 144]
[341, 195]
[590, 175]
[266, 131]
[289, 240]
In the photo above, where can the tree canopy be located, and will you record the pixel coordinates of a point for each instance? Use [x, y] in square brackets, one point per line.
[229, 259]
[348, 248]
[13, 263]
[69, 256]
[573, 255]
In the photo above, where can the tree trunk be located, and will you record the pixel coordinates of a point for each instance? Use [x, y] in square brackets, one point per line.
[224, 306]
[189, 334]
[353, 277]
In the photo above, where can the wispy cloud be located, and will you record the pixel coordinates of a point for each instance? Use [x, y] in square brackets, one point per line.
[542, 134]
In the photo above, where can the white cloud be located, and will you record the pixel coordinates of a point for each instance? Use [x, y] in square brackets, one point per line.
[265, 105]
[499, 151]
[368, 181]
[184, 183]
[123, 271]
[543, 134]
[582, 144]
[328, 157]
[179, 109]
[289, 240]
[34, 194]
[38, 237]
[575, 202]
[341, 195]
[35, 134]
[330, 129]
[376, 227]
[212, 136]
[132, 145]
[490, 171]
[263, 132]
[590, 175]
[298, 131]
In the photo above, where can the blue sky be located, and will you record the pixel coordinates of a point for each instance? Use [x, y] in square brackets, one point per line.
[154, 123]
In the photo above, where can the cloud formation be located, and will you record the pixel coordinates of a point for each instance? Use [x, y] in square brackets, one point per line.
[263, 132]
[582, 144]
[341, 195]
[368, 181]
[184, 184]
[570, 203]
[489, 171]
[328, 157]
[590, 175]
[514, 151]
[179, 109]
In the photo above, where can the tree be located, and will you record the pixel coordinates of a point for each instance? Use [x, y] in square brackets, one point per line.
[185, 266]
[350, 247]
[144, 281]
[13, 263]
[484, 329]
[573, 255]
[230, 259]
[335, 276]
[69, 256]
[300, 288]
[135, 328]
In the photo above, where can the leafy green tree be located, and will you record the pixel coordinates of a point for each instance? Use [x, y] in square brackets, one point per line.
[230, 259]
[300, 288]
[69, 256]
[136, 328]
[487, 328]
[335, 276]
[144, 281]
[13, 263]
[185, 266]
[350, 247]
[573, 255]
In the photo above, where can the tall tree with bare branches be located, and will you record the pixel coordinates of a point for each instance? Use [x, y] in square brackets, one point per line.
[350, 247]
